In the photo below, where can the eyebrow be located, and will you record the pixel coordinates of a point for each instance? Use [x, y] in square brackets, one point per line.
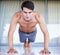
[26, 12]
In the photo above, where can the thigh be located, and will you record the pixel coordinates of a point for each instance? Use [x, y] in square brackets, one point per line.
[32, 36]
[22, 36]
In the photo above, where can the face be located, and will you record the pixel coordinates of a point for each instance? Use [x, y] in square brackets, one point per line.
[27, 13]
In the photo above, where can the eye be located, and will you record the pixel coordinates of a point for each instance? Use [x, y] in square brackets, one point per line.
[29, 12]
[25, 12]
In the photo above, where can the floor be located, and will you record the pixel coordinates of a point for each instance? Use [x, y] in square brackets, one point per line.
[32, 51]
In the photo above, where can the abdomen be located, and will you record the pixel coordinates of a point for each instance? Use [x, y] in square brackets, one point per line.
[27, 29]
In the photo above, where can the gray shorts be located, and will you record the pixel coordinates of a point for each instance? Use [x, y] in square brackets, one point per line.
[24, 35]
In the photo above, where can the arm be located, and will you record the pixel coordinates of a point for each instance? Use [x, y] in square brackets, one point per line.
[43, 27]
[45, 32]
[13, 24]
[12, 29]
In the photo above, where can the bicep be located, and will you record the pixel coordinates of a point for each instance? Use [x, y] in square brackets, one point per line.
[12, 25]
[43, 27]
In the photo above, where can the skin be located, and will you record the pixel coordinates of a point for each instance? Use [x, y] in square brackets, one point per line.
[27, 20]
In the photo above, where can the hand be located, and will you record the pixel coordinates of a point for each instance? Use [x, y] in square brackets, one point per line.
[45, 51]
[12, 51]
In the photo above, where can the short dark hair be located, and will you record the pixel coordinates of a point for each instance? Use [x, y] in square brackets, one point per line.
[28, 4]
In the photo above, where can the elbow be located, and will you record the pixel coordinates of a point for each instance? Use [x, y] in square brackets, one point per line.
[46, 34]
[10, 34]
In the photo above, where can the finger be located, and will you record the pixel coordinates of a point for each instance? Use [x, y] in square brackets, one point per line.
[11, 52]
[39, 51]
[8, 52]
[42, 52]
[47, 52]
[15, 52]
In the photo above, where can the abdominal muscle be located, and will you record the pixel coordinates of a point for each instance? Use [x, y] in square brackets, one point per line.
[27, 26]
[27, 29]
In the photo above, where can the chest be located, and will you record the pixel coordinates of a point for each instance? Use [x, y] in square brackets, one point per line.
[29, 23]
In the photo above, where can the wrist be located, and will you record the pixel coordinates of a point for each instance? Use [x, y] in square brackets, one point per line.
[45, 48]
[11, 48]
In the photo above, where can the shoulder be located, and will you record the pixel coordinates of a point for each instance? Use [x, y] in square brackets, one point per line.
[16, 17]
[16, 14]
[38, 16]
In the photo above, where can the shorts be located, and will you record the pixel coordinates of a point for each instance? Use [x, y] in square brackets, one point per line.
[24, 35]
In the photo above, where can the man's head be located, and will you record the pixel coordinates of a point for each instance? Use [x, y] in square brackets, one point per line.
[28, 4]
[27, 8]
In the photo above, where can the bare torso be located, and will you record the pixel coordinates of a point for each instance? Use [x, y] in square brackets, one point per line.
[27, 26]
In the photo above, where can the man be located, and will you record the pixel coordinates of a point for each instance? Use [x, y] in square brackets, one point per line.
[27, 19]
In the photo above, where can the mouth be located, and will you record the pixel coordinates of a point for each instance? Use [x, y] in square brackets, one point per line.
[27, 19]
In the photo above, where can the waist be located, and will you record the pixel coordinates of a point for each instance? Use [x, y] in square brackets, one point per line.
[28, 32]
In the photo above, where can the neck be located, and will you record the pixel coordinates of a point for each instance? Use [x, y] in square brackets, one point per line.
[27, 19]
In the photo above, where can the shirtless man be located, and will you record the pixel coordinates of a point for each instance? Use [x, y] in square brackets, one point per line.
[27, 19]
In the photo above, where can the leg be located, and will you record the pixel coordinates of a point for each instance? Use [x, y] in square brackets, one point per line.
[28, 43]
[32, 37]
[22, 37]
[25, 44]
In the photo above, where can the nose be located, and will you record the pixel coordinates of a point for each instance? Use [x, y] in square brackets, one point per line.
[27, 15]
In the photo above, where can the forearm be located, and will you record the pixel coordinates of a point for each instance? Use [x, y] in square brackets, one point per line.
[46, 41]
[10, 41]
